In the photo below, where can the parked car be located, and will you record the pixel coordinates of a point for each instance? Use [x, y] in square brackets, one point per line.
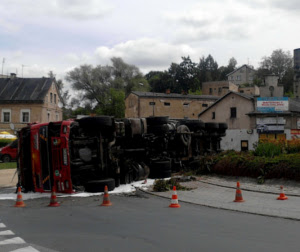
[9, 152]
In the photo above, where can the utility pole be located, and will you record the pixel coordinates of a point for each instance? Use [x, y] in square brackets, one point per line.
[3, 61]
[22, 69]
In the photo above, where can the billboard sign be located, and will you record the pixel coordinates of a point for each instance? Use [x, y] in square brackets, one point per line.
[271, 120]
[272, 104]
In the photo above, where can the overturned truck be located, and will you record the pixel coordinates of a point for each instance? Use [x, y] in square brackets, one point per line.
[91, 152]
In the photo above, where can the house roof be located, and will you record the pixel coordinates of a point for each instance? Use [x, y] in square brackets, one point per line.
[248, 97]
[175, 96]
[24, 90]
[240, 68]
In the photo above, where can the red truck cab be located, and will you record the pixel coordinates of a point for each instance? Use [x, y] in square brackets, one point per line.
[43, 160]
[9, 152]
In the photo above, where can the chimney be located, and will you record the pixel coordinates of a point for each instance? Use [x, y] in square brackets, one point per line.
[13, 75]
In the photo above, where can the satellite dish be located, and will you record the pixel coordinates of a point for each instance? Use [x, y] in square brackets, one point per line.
[12, 126]
[60, 104]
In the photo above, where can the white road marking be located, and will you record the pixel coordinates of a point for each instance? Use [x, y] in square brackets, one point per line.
[6, 232]
[2, 225]
[16, 240]
[27, 249]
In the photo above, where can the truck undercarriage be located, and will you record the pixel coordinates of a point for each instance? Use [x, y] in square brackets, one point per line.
[91, 152]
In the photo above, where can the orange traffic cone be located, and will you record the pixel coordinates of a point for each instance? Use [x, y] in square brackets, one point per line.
[174, 201]
[106, 201]
[238, 194]
[282, 195]
[19, 202]
[53, 200]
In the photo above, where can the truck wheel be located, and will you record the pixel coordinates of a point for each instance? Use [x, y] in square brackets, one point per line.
[96, 121]
[98, 185]
[185, 138]
[6, 158]
[195, 125]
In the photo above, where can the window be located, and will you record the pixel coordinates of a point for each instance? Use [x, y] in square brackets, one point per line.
[232, 77]
[244, 145]
[210, 90]
[25, 115]
[186, 104]
[233, 112]
[238, 77]
[57, 117]
[204, 105]
[48, 116]
[55, 98]
[220, 90]
[51, 97]
[6, 115]
[151, 103]
[213, 115]
[167, 104]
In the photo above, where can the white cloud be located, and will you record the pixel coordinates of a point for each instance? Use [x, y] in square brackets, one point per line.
[75, 9]
[146, 53]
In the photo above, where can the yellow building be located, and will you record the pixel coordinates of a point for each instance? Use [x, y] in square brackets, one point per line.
[27, 100]
[145, 104]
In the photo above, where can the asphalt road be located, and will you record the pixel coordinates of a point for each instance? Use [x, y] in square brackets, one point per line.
[141, 222]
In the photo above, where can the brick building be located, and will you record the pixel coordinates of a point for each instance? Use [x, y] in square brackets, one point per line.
[145, 104]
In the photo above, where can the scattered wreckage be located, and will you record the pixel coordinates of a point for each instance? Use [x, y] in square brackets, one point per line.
[91, 152]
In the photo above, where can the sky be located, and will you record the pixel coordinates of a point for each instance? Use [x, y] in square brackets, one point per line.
[59, 35]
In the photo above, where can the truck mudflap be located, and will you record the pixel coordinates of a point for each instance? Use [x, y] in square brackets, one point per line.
[61, 166]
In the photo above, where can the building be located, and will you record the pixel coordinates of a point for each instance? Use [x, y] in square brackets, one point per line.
[218, 88]
[251, 119]
[297, 73]
[271, 87]
[249, 90]
[242, 75]
[232, 109]
[145, 104]
[27, 100]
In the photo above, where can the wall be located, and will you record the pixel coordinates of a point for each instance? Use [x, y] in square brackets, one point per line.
[233, 138]
[218, 88]
[172, 107]
[222, 112]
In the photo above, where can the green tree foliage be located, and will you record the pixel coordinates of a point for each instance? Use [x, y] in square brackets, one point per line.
[102, 89]
[279, 63]
[160, 81]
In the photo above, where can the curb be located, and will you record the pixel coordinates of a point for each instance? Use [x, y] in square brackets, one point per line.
[221, 208]
[247, 189]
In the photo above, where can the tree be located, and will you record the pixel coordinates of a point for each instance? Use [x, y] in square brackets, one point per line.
[101, 87]
[279, 63]
[224, 71]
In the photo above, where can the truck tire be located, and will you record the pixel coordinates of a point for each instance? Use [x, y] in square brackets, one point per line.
[6, 158]
[157, 120]
[96, 121]
[160, 169]
[195, 125]
[98, 185]
[185, 138]
[211, 125]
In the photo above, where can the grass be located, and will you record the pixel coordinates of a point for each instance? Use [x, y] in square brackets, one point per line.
[10, 165]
